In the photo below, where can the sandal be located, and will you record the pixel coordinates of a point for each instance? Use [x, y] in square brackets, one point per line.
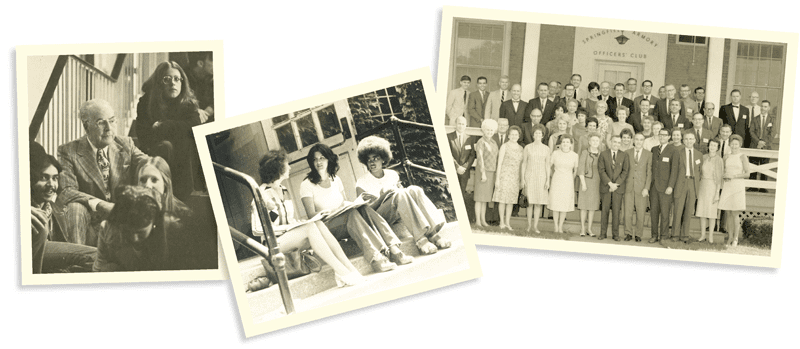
[440, 242]
[426, 247]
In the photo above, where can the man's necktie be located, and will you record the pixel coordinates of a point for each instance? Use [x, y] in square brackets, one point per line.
[637, 155]
[102, 163]
[465, 96]
[691, 162]
[502, 96]
[674, 121]
[613, 159]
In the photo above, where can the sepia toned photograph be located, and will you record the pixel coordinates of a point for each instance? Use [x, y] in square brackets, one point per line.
[335, 202]
[116, 191]
[620, 137]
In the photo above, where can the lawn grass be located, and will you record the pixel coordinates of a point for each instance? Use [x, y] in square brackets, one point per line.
[520, 232]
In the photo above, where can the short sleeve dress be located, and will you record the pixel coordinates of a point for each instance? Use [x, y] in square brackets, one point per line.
[733, 197]
[508, 191]
[535, 173]
[562, 187]
[587, 166]
[485, 190]
[710, 178]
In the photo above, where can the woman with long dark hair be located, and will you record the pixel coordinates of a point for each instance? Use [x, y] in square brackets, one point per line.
[165, 115]
[322, 192]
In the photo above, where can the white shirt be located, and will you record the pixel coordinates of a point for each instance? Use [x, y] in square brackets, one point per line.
[324, 198]
[688, 162]
[736, 112]
[515, 104]
[373, 185]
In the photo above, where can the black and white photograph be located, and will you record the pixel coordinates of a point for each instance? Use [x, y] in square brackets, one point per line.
[622, 138]
[335, 202]
[116, 191]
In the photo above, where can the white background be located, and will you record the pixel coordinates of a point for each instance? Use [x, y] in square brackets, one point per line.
[277, 52]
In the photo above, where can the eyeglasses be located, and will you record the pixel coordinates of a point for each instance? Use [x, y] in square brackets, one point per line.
[167, 79]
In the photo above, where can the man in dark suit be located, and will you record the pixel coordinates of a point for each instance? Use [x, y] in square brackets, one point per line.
[647, 88]
[701, 134]
[619, 101]
[663, 109]
[462, 146]
[93, 167]
[542, 103]
[637, 187]
[735, 115]
[675, 119]
[476, 103]
[554, 91]
[700, 97]
[660, 190]
[514, 110]
[761, 137]
[711, 122]
[686, 163]
[613, 166]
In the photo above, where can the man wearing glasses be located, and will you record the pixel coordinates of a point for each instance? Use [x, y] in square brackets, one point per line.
[660, 190]
[93, 167]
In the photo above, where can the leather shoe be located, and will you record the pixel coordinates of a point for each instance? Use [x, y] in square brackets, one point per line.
[601, 237]
[382, 264]
[653, 240]
[628, 237]
[638, 239]
[616, 238]
[400, 258]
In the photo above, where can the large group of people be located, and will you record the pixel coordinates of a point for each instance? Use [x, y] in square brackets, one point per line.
[104, 204]
[624, 154]
[380, 201]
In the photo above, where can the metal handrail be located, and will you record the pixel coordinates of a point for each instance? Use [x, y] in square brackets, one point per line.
[273, 253]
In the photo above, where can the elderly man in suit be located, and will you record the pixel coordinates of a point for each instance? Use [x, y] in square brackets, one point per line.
[660, 189]
[457, 101]
[647, 89]
[93, 167]
[735, 115]
[613, 165]
[476, 103]
[462, 146]
[619, 101]
[554, 91]
[711, 122]
[637, 187]
[514, 110]
[631, 87]
[686, 164]
[663, 109]
[689, 103]
[701, 134]
[761, 133]
[542, 103]
[496, 98]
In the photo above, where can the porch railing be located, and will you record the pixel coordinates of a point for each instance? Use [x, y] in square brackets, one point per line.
[272, 253]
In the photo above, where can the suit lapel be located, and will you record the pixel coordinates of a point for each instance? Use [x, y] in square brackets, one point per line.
[116, 159]
[88, 161]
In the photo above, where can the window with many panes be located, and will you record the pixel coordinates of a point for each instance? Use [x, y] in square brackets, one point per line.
[760, 67]
[478, 50]
[690, 39]
[306, 127]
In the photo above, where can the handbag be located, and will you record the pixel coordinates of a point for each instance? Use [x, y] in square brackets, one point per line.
[522, 201]
[298, 263]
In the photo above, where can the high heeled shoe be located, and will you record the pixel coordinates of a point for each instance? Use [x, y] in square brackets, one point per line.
[350, 279]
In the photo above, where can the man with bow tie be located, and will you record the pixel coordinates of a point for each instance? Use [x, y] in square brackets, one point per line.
[736, 115]
[514, 110]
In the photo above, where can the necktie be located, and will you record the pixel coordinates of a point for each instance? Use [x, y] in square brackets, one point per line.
[691, 163]
[613, 159]
[502, 96]
[761, 133]
[722, 152]
[709, 122]
[674, 121]
[460, 142]
[465, 96]
[697, 136]
[647, 98]
[637, 155]
[102, 163]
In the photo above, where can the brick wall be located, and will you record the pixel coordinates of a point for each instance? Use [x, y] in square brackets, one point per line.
[556, 51]
[516, 52]
[686, 64]
[723, 93]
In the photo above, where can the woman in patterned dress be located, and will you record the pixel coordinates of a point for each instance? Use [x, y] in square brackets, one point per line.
[562, 122]
[708, 193]
[485, 167]
[564, 163]
[733, 198]
[535, 176]
[506, 186]
[589, 194]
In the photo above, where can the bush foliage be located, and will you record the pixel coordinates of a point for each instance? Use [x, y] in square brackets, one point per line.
[758, 231]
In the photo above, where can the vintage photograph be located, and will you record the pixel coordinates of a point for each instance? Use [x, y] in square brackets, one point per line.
[105, 135]
[619, 137]
[335, 202]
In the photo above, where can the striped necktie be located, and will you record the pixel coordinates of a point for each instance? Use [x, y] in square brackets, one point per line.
[102, 163]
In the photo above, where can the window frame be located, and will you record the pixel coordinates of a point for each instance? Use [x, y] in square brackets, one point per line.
[504, 63]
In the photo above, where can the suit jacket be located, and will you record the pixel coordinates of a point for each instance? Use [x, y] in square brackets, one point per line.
[682, 120]
[701, 143]
[635, 120]
[456, 105]
[517, 117]
[612, 106]
[639, 176]
[476, 107]
[729, 118]
[527, 134]
[81, 180]
[757, 135]
[701, 107]
[463, 155]
[723, 149]
[678, 177]
[496, 138]
[713, 126]
[662, 167]
[548, 111]
[493, 104]
[638, 100]
[689, 103]
[661, 111]
[609, 173]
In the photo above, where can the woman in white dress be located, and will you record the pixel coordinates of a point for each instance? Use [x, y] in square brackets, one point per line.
[733, 197]
[535, 179]
[564, 163]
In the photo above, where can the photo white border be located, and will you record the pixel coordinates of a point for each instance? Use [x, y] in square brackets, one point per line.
[250, 327]
[449, 13]
[22, 54]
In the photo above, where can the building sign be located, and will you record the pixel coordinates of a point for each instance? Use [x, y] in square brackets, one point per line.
[640, 54]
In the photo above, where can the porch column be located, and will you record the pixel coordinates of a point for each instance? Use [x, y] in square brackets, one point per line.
[530, 61]
[716, 51]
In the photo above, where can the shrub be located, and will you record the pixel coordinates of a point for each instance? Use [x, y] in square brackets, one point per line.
[758, 231]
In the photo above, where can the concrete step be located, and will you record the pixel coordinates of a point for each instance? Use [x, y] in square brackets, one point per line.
[303, 288]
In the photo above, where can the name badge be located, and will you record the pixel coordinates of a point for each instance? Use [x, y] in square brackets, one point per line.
[468, 147]
[680, 125]
[652, 106]
[744, 116]
[705, 140]
[769, 124]
[697, 161]
[665, 159]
